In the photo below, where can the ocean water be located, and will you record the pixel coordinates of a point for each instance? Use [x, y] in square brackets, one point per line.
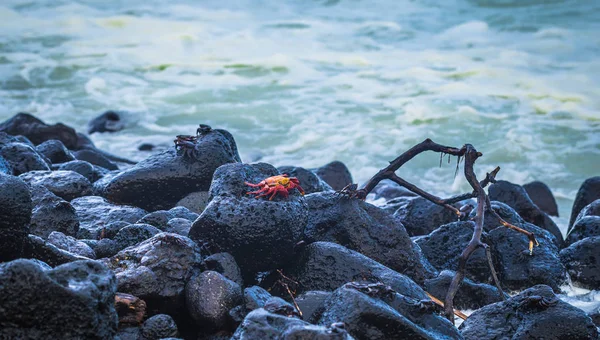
[308, 82]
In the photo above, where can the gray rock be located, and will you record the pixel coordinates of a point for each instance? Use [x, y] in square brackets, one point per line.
[109, 121]
[51, 213]
[582, 260]
[195, 201]
[86, 169]
[312, 304]
[38, 132]
[67, 185]
[542, 196]
[255, 297]
[40, 249]
[209, 297]
[23, 158]
[259, 233]
[95, 213]
[55, 151]
[163, 179]
[364, 228]
[72, 301]
[179, 226]
[536, 313]
[71, 245]
[420, 216]
[15, 215]
[159, 327]
[588, 192]
[586, 226]
[225, 264]
[309, 181]
[336, 174]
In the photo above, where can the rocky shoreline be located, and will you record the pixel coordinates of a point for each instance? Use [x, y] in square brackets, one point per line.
[174, 247]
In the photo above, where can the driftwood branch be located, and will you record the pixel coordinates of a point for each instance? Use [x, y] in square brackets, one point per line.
[470, 155]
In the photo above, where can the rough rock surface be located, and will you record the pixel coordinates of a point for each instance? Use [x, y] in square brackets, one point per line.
[516, 197]
[420, 216]
[584, 227]
[95, 157]
[42, 250]
[225, 264]
[95, 213]
[542, 196]
[582, 260]
[535, 313]
[23, 158]
[259, 233]
[159, 326]
[38, 132]
[470, 295]
[161, 180]
[51, 213]
[336, 174]
[72, 301]
[67, 185]
[384, 315]
[55, 151]
[588, 192]
[71, 245]
[364, 228]
[209, 296]
[156, 270]
[326, 266]
[86, 169]
[15, 215]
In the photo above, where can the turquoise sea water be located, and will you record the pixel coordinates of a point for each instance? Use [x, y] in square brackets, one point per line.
[307, 82]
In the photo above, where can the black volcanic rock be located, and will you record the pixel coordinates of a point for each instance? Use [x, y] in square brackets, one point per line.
[365, 228]
[536, 313]
[470, 295]
[225, 264]
[420, 216]
[372, 315]
[42, 250]
[5, 168]
[209, 297]
[86, 169]
[23, 158]
[55, 151]
[588, 192]
[67, 185]
[15, 215]
[309, 181]
[95, 157]
[388, 190]
[516, 197]
[95, 213]
[582, 260]
[259, 233]
[444, 245]
[516, 268]
[586, 226]
[159, 326]
[109, 121]
[327, 266]
[38, 132]
[161, 180]
[157, 270]
[71, 245]
[72, 301]
[51, 213]
[542, 196]
[336, 174]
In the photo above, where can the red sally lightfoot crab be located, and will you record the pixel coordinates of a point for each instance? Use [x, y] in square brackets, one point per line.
[282, 184]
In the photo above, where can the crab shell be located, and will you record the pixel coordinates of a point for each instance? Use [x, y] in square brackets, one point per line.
[282, 184]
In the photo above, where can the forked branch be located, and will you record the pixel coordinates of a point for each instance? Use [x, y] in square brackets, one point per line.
[470, 155]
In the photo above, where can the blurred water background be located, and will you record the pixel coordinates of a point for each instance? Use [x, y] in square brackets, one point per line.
[307, 82]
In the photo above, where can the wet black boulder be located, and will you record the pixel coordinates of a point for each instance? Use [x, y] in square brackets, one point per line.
[380, 313]
[470, 295]
[55, 151]
[51, 213]
[95, 157]
[592, 209]
[95, 213]
[542, 196]
[127, 236]
[225, 264]
[309, 181]
[582, 260]
[15, 215]
[326, 266]
[420, 216]
[159, 326]
[72, 301]
[365, 228]
[156, 271]
[265, 325]
[23, 158]
[336, 174]
[161, 180]
[259, 233]
[536, 313]
[516, 268]
[109, 121]
[67, 185]
[38, 132]
[443, 247]
[517, 198]
[209, 296]
[70, 244]
[255, 297]
[586, 226]
[588, 192]
[161, 218]
[5, 168]
[39, 249]
[86, 169]
[388, 190]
